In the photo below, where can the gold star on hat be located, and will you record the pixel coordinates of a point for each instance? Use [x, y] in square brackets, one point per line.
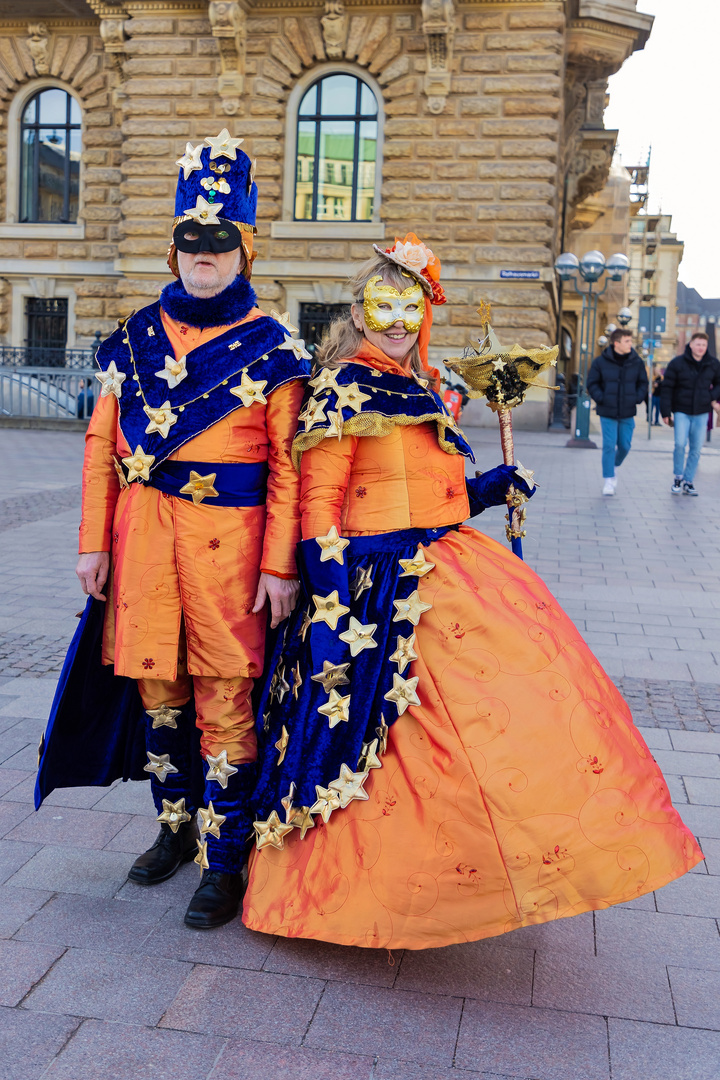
[327, 801]
[331, 675]
[282, 744]
[161, 419]
[164, 716]
[284, 321]
[336, 709]
[174, 371]
[174, 813]
[359, 637]
[329, 609]
[349, 786]
[210, 821]
[368, 757]
[403, 693]
[200, 487]
[418, 566]
[111, 380]
[352, 397]
[332, 546]
[219, 769]
[138, 464]
[324, 380]
[313, 413]
[250, 392]
[526, 475]
[223, 145]
[362, 581]
[204, 212]
[190, 161]
[160, 765]
[404, 654]
[410, 609]
[271, 833]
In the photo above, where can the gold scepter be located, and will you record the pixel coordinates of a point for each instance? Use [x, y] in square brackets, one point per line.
[503, 376]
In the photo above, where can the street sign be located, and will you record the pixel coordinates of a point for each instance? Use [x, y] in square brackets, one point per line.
[522, 275]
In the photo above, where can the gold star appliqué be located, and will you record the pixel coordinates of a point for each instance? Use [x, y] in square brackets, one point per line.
[218, 768]
[250, 392]
[271, 833]
[284, 321]
[327, 801]
[362, 581]
[331, 675]
[164, 716]
[201, 858]
[382, 733]
[349, 786]
[329, 609]
[313, 413]
[190, 161]
[161, 420]
[336, 709]
[404, 654]
[282, 744]
[174, 814]
[368, 757]
[410, 609]
[200, 487]
[111, 380]
[297, 680]
[359, 637]
[326, 379]
[332, 546]
[352, 397]
[403, 693]
[296, 345]
[174, 371]
[160, 765]
[210, 821]
[418, 566]
[526, 475]
[138, 465]
[223, 145]
[204, 212]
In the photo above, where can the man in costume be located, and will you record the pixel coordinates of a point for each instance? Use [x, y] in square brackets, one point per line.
[190, 521]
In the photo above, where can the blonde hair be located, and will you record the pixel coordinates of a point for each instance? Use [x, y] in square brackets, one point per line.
[342, 339]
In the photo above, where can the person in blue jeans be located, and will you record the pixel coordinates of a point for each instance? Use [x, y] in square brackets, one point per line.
[691, 387]
[617, 383]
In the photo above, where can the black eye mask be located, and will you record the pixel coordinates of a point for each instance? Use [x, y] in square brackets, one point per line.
[189, 236]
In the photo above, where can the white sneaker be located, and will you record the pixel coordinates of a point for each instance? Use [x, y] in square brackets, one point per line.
[609, 486]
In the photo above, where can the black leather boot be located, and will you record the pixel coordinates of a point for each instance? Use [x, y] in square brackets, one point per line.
[217, 899]
[167, 854]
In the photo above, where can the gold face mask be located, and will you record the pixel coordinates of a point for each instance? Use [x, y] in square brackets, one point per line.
[383, 305]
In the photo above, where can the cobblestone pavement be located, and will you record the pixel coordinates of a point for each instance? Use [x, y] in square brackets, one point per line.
[100, 980]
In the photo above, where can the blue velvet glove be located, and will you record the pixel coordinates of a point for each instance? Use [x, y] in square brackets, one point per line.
[491, 488]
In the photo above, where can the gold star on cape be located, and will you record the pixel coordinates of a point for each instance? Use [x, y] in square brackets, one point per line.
[297, 345]
[271, 833]
[164, 716]
[223, 145]
[138, 464]
[200, 487]
[305, 625]
[332, 546]
[190, 161]
[174, 814]
[382, 733]
[161, 419]
[250, 392]
[349, 786]
[279, 685]
[204, 212]
[368, 757]
[526, 475]
[403, 693]
[251, 174]
[336, 425]
[174, 371]
[329, 609]
[404, 654]
[352, 397]
[297, 816]
[282, 745]
[418, 566]
[326, 379]
[218, 768]
[359, 637]
[313, 413]
[327, 801]
[410, 609]
[362, 580]
[120, 474]
[201, 858]
[336, 709]
[331, 675]
[111, 380]
[297, 680]
[210, 821]
[160, 765]
[284, 321]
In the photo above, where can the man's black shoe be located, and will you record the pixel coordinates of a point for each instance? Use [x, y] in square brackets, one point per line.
[217, 899]
[167, 854]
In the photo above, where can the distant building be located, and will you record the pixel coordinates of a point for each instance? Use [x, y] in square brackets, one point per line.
[655, 255]
[695, 313]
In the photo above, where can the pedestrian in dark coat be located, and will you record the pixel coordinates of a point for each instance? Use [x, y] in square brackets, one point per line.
[617, 383]
[691, 387]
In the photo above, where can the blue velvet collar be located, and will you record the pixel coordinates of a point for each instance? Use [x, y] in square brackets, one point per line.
[229, 306]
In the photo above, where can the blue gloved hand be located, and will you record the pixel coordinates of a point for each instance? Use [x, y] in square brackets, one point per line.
[491, 488]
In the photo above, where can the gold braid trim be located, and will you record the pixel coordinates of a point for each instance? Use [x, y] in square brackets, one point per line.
[374, 424]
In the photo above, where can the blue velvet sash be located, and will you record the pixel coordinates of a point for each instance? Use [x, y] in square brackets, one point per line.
[236, 483]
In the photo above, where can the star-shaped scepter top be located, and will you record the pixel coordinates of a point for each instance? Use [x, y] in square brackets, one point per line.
[281, 745]
[418, 566]
[218, 768]
[284, 321]
[368, 757]
[201, 858]
[332, 546]
[164, 716]
[362, 581]
[526, 475]
[351, 397]
[249, 391]
[271, 833]
[223, 145]
[138, 464]
[111, 380]
[329, 609]
[336, 709]
[410, 609]
[297, 345]
[349, 786]
[210, 820]
[331, 675]
[160, 765]
[359, 637]
[161, 420]
[404, 654]
[327, 801]
[174, 814]
[403, 693]
[326, 379]
[313, 413]
[190, 161]
[174, 371]
[200, 487]
[204, 212]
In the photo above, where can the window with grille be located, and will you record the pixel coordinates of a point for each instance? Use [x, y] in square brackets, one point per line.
[46, 331]
[50, 148]
[314, 320]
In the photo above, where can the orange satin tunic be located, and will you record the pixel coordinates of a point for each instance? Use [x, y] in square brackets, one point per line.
[175, 561]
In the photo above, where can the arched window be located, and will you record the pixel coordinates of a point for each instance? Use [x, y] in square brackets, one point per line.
[337, 138]
[50, 142]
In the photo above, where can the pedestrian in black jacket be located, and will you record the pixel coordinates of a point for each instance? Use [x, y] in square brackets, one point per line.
[691, 387]
[617, 383]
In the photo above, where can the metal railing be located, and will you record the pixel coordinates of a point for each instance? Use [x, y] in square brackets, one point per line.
[46, 357]
[48, 392]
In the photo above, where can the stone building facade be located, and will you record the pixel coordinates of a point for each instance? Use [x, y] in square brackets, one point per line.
[489, 135]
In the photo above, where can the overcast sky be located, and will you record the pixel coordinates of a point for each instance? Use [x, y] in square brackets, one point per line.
[667, 96]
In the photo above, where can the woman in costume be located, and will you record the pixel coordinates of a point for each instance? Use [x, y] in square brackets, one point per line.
[442, 758]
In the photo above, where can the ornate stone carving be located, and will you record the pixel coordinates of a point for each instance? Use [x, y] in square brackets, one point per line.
[334, 29]
[227, 19]
[38, 46]
[438, 25]
[112, 32]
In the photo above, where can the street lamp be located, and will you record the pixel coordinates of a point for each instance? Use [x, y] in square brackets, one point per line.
[624, 316]
[591, 268]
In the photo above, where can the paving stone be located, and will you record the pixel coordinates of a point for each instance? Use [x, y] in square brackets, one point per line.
[340, 963]
[676, 787]
[115, 1051]
[657, 936]
[702, 790]
[539, 1043]
[696, 741]
[82, 798]
[656, 739]
[175, 891]
[478, 969]
[242, 1059]
[232, 945]
[696, 994]
[131, 797]
[691, 895]
[11, 814]
[26, 1047]
[686, 764]
[10, 778]
[35, 695]
[65, 825]
[13, 855]
[419, 1028]
[701, 820]
[227, 1001]
[135, 837]
[63, 869]
[17, 906]
[659, 1052]
[604, 986]
[121, 987]
[711, 851]
[93, 923]
[573, 936]
[392, 1069]
[22, 965]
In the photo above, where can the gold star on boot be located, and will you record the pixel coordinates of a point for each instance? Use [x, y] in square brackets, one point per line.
[210, 821]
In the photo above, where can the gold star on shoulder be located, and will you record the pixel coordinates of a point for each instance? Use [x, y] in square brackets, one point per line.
[411, 608]
[218, 768]
[161, 420]
[200, 487]
[359, 637]
[331, 675]
[349, 786]
[111, 380]
[204, 212]
[138, 464]
[210, 821]
[164, 716]
[382, 733]
[297, 345]
[160, 765]
[174, 371]
[336, 709]
[174, 814]
[327, 801]
[403, 693]
[324, 380]
[249, 391]
[282, 744]
[190, 161]
[223, 145]
[332, 546]
[526, 475]
[368, 757]
[201, 858]
[336, 425]
[297, 680]
[271, 833]
[418, 566]
[404, 654]
[329, 609]
[351, 397]
[313, 413]
[362, 580]
[284, 321]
